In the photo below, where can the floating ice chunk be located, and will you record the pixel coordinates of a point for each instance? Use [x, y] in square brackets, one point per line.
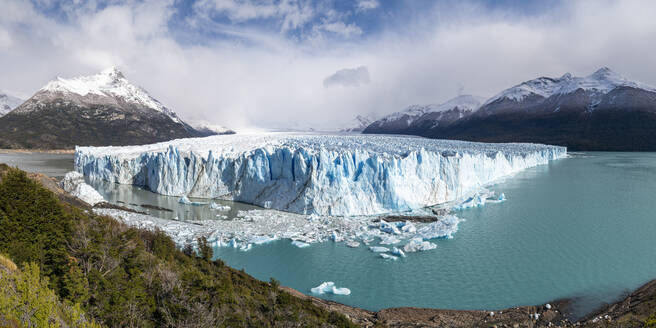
[186, 201]
[443, 228]
[336, 237]
[502, 197]
[389, 227]
[259, 240]
[397, 251]
[219, 207]
[418, 244]
[300, 244]
[329, 288]
[352, 244]
[408, 227]
[473, 201]
[389, 240]
[388, 257]
[73, 183]
[245, 247]
[379, 249]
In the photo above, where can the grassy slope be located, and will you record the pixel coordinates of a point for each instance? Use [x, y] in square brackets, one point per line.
[124, 276]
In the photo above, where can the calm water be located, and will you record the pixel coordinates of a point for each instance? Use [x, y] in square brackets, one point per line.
[53, 165]
[582, 227]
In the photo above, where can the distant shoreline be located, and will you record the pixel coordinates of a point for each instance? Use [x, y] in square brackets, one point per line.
[47, 151]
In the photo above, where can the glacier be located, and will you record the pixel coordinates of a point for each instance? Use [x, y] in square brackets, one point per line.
[73, 183]
[333, 175]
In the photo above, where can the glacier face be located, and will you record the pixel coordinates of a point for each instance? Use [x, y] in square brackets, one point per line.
[337, 175]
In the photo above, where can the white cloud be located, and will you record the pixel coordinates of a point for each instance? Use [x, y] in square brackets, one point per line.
[364, 5]
[348, 77]
[340, 28]
[292, 13]
[262, 78]
[5, 39]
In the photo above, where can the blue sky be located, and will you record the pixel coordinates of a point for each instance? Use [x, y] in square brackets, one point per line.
[249, 63]
[201, 21]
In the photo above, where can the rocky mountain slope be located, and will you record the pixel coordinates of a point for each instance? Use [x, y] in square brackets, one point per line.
[101, 109]
[422, 117]
[359, 123]
[601, 111]
[8, 103]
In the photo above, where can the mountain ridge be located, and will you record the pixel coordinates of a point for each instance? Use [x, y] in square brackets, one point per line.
[601, 111]
[103, 109]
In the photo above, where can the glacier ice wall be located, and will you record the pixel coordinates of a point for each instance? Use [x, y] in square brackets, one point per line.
[336, 175]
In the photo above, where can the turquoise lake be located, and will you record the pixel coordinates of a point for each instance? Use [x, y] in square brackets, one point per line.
[583, 227]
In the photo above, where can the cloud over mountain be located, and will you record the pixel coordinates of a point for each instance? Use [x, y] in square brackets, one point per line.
[348, 77]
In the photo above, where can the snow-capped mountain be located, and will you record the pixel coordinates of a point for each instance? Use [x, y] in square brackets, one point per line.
[426, 116]
[8, 102]
[210, 129]
[602, 81]
[398, 122]
[359, 123]
[554, 93]
[101, 109]
[601, 111]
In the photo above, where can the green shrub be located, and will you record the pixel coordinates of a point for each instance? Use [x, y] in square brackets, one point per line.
[125, 276]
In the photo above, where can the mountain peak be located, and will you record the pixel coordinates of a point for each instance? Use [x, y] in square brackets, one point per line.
[109, 83]
[606, 73]
[113, 72]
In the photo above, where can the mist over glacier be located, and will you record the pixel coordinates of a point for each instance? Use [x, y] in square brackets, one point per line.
[337, 175]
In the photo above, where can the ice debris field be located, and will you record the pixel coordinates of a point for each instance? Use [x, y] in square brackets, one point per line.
[371, 175]
[334, 175]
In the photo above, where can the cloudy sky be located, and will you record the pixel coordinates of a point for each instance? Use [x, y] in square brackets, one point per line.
[296, 63]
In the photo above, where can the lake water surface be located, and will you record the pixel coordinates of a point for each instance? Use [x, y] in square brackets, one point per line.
[582, 227]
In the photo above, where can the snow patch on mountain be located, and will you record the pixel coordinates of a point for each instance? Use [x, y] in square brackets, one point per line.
[360, 122]
[409, 114]
[109, 83]
[8, 102]
[210, 129]
[466, 103]
[602, 81]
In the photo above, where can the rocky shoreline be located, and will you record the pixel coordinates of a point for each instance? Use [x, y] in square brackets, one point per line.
[631, 311]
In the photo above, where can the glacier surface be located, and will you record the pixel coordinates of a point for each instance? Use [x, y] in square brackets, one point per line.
[73, 183]
[336, 175]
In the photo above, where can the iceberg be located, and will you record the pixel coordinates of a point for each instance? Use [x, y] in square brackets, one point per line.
[219, 207]
[186, 201]
[418, 244]
[398, 252]
[73, 183]
[379, 249]
[329, 288]
[300, 244]
[388, 257]
[335, 175]
[442, 228]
